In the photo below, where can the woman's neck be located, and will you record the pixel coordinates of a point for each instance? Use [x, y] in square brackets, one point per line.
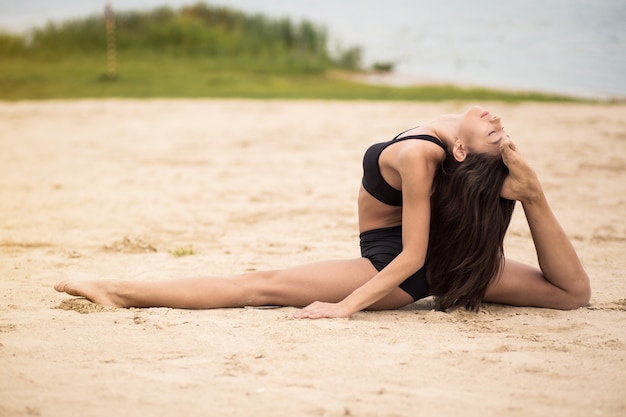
[446, 128]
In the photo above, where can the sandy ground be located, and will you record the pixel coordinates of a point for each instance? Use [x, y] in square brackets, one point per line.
[113, 188]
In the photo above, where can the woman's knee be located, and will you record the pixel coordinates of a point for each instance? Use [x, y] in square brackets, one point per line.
[262, 287]
[581, 295]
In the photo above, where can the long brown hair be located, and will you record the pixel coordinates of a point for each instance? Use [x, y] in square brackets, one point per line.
[468, 223]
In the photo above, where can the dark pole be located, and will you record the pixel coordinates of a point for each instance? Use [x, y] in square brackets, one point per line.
[109, 19]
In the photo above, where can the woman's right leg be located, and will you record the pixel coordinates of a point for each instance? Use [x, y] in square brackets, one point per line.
[329, 281]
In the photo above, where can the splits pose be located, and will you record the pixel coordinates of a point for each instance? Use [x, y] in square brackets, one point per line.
[434, 206]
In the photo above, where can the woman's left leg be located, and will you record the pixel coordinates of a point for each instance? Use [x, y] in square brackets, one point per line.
[560, 281]
[329, 281]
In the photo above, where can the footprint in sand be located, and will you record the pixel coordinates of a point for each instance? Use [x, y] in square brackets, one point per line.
[7, 328]
[130, 245]
[617, 305]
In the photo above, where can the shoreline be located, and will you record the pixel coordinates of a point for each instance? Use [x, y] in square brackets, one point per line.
[405, 80]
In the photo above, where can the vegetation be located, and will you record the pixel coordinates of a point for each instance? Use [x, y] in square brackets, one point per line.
[182, 251]
[198, 51]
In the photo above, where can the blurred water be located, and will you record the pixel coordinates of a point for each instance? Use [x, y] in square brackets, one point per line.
[574, 47]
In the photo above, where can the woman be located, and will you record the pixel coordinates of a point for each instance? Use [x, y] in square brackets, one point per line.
[464, 170]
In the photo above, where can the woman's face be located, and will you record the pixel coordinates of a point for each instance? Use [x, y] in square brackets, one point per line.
[481, 131]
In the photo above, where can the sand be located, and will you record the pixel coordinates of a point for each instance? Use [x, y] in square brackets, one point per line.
[117, 188]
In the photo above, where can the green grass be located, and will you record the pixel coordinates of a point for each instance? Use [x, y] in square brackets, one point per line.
[182, 251]
[151, 76]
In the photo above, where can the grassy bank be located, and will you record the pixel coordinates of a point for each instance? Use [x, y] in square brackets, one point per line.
[198, 51]
[148, 77]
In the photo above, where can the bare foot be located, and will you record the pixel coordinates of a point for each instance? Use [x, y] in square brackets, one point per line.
[521, 183]
[99, 292]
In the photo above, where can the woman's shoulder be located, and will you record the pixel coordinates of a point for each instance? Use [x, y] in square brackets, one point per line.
[415, 154]
[418, 146]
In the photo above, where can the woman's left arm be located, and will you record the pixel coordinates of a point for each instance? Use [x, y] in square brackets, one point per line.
[560, 282]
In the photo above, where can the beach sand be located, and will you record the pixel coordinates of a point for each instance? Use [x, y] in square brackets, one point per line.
[115, 188]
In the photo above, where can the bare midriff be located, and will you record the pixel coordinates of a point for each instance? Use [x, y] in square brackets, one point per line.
[374, 214]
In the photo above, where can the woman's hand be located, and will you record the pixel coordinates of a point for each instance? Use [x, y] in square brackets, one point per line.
[522, 182]
[319, 310]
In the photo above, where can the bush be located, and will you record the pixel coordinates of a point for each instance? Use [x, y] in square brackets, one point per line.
[199, 30]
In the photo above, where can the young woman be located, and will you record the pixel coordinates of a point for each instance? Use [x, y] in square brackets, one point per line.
[434, 205]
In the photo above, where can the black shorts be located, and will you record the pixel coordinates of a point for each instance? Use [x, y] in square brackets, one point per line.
[381, 246]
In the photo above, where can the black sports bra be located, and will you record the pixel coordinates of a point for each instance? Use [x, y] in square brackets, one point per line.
[373, 181]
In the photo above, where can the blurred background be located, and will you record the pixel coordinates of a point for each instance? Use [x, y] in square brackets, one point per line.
[570, 47]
